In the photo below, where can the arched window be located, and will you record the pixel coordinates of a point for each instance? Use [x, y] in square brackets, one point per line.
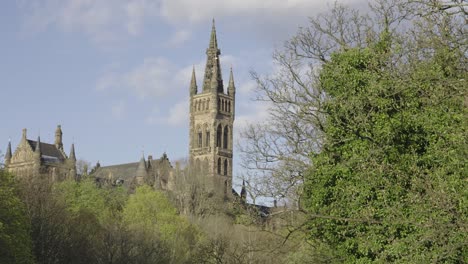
[218, 136]
[198, 105]
[225, 167]
[200, 138]
[229, 106]
[208, 104]
[219, 104]
[207, 139]
[225, 137]
[219, 165]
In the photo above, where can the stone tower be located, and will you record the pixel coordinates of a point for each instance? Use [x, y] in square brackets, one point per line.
[211, 121]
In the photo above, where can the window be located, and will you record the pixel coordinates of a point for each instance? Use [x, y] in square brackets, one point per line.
[225, 167]
[219, 165]
[207, 140]
[225, 137]
[218, 136]
[200, 139]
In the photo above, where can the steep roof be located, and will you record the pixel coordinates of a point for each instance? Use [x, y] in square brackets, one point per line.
[48, 150]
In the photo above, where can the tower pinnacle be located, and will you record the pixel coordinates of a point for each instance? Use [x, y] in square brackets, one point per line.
[193, 83]
[38, 146]
[213, 40]
[213, 65]
[8, 154]
[58, 137]
[231, 86]
[72, 153]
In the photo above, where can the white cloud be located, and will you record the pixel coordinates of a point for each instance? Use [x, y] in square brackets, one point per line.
[107, 20]
[102, 20]
[153, 78]
[183, 10]
[252, 113]
[247, 87]
[178, 114]
[179, 37]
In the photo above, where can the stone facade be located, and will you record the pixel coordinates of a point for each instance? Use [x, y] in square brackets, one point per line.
[37, 159]
[211, 121]
[210, 150]
[157, 173]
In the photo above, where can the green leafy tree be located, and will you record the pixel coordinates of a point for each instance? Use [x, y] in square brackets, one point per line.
[150, 214]
[15, 237]
[390, 182]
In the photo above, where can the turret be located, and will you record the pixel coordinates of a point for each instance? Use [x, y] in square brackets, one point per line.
[8, 154]
[72, 164]
[37, 156]
[72, 156]
[37, 151]
[141, 172]
[193, 83]
[58, 137]
[231, 86]
[243, 193]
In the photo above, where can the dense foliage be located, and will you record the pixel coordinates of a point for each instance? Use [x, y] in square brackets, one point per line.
[15, 240]
[390, 182]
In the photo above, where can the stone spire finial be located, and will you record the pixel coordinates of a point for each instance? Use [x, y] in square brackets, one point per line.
[193, 83]
[243, 193]
[8, 154]
[58, 137]
[38, 146]
[72, 156]
[213, 40]
[25, 132]
[231, 86]
[141, 172]
[212, 64]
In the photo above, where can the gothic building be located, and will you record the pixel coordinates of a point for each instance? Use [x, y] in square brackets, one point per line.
[210, 141]
[157, 173]
[35, 158]
[211, 120]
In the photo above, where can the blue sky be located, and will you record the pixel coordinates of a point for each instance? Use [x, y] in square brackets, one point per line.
[116, 73]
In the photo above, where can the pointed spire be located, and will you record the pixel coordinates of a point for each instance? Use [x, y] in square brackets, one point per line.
[231, 86]
[8, 153]
[193, 83]
[38, 146]
[213, 40]
[141, 170]
[243, 193]
[212, 65]
[72, 156]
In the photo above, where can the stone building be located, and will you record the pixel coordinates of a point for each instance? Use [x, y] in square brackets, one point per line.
[210, 141]
[211, 126]
[211, 121]
[35, 158]
[157, 173]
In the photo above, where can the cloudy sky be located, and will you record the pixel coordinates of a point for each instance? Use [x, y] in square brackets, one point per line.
[115, 73]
